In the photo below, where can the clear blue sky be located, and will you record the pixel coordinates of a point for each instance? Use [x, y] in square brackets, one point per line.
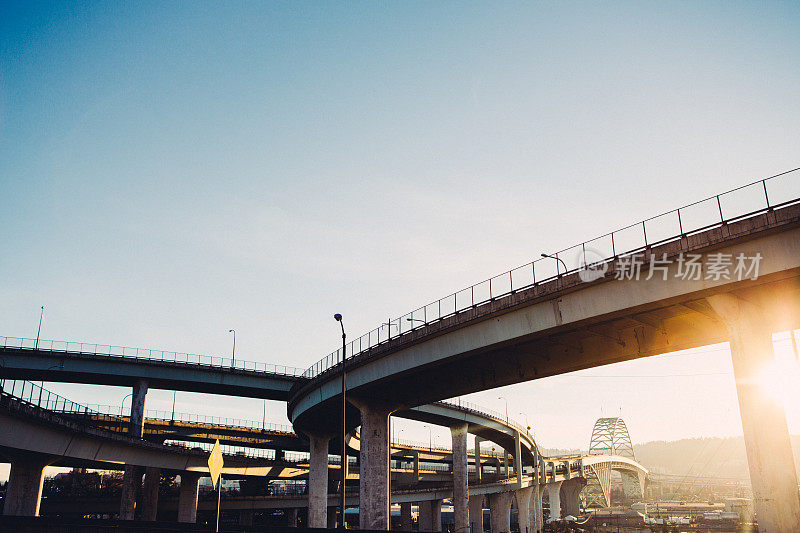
[169, 171]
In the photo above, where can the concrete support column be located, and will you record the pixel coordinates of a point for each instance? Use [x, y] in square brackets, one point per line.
[152, 478]
[24, 489]
[460, 479]
[138, 402]
[132, 478]
[538, 516]
[766, 435]
[500, 511]
[518, 458]
[505, 463]
[570, 496]
[187, 501]
[430, 515]
[554, 495]
[291, 517]
[478, 467]
[131, 481]
[406, 520]
[318, 480]
[416, 466]
[476, 513]
[374, 476]
[524, 503]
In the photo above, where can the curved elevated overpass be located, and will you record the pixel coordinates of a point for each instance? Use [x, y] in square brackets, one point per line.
[519, 326]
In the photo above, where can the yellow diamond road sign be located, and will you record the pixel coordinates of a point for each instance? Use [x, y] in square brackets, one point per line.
[215, 463]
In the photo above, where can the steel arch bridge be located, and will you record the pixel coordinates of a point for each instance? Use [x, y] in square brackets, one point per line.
[610, 437]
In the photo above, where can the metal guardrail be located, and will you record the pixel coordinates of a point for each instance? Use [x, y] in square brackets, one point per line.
[758, 197]
[34, 395]
[469, 406]
[146, 354]
[192, 418]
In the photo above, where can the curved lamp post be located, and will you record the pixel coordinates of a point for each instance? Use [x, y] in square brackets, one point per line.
[343, 463]
[233, 351]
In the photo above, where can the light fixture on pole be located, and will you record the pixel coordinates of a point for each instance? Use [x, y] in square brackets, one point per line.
[233, 351]
[389, 327]
[41, 314]
[343, 463]
[122, 405]
[503, 398]
[557, 259]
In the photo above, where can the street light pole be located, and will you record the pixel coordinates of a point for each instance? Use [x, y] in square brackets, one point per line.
[557, 259]
[233, 351]
[122, 405]
[41, 313]
[343, 464]
[506, 400]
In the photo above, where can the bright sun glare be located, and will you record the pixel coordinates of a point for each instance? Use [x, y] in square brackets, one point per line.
[781, 380]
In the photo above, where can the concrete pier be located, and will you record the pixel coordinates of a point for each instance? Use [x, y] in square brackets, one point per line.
[374, 486]
[478, 466]
[524, 506]
[406, 519]
[460, 478]
[766, 434]
[187, 501]
[476, 513]
[538, 515]
[131, 481]
[24, 490]
[152, 478]
[554, 496]
[132, 477]
[570, 496]
[291, 517]
[318, 480]
[430, 515]
[500, 510]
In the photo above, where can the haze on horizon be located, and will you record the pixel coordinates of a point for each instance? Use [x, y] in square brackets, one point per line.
[170, 172]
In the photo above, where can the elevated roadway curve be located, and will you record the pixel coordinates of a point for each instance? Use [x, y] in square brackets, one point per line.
[565, 324]
[76, 362]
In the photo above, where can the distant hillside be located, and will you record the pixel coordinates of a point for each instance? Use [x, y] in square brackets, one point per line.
[716, 457]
